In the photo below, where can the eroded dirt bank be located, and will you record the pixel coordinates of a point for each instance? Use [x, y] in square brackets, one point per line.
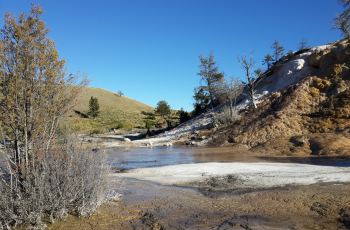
[146, 205]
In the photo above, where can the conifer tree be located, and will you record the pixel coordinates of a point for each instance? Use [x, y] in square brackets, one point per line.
[277, 50]
[268, 60]
[94, 107]
[33, 85]
[208, 95]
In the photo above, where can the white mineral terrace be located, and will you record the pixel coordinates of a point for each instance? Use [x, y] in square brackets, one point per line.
[249, 175]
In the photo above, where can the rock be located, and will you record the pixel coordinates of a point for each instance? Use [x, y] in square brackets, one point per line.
[315, 60]
[149, 144]
[168, 144]
[192, 143]
[149, 220]
[319, 208]
[126, 139]
[341, 53]
[345, 217]
[299, 141]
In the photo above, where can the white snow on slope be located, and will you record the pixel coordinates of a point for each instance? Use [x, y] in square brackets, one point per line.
[250, 175]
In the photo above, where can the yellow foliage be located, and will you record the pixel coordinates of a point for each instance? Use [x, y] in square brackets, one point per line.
[338, 69]
[321, 84]
[314, 91]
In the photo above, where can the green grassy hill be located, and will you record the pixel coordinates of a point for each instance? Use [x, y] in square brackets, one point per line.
[115, 112]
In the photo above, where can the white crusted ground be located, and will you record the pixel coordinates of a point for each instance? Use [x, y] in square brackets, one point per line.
[249, 175]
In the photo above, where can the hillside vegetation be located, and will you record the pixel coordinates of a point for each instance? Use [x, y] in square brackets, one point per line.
[116, 111]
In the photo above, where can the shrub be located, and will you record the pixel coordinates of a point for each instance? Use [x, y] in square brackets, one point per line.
[67, 181]
[314, 91]
[183, 116]
[227, 116]
[321, 84]
[338, 69]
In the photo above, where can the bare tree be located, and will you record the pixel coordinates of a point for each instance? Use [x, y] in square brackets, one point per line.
[258, 72]
[342, 21]
[248, 66]
[303, 44]
[232, 89]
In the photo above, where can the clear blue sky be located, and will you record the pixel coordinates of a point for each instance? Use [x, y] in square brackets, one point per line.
[149, 48]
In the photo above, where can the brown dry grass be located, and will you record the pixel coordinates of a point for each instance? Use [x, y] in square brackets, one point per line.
[115, 112]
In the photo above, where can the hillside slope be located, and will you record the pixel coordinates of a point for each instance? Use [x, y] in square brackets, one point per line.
[115, 112]
[303, 109]
[303, 106]
[109, 102]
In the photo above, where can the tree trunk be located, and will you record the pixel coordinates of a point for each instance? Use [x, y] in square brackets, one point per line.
[231, 108]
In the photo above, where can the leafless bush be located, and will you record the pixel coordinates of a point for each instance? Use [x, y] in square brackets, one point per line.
[227, 116]
[67, 181]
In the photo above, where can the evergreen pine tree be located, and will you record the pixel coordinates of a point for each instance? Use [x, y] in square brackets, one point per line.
[268, 60]
[94, 107]
[277, 50]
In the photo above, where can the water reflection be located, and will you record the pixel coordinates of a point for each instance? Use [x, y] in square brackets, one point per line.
[149, 157]
[161, 156]
[124, 158]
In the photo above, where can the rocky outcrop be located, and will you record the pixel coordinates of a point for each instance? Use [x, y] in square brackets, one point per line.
[302, 117]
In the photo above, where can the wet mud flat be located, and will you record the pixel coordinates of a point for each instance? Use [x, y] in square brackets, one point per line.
[148, 205]
[185, 188]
